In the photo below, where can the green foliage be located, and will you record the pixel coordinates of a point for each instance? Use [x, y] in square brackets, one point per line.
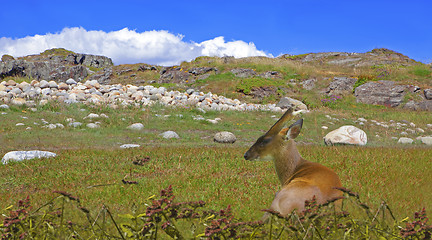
[362, 79]
[421, 71]
[331, 101]
[57, 51]
[163, 217]
[246, 85]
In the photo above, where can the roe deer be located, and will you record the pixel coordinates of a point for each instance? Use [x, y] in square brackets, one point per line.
[301, 179]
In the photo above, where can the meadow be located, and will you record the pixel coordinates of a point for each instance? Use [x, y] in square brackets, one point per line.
[91, 166]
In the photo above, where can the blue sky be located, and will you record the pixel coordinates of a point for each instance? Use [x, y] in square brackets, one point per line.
[181, 30]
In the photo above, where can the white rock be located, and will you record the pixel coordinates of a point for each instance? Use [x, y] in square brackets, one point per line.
[92, 115]
[136, 126]
[362, 120]
[50, 126]
[93, 125]
[169, 134]
[71, 81]
[16, 156]
[130, 146]
[19, 124]
[4, 106]
[324, 127]
[426, 140]
[224, 137]
[405, 140]
[346, 135]
[74, 124]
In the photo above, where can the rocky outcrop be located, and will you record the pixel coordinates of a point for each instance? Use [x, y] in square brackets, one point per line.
[341, 86]
[385, 93]
[54, 67]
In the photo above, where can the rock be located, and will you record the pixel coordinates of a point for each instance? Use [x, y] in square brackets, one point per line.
[136, 126]
[71, 81]
[43, 84]
[63, 86]
[243, 72]
[93, 125]
[224, 137]
[287, 102]
[92, 115]
[174, 75]
[309, 84]
[169, 134]
[130, 146]
[428, 94]
[341, 86]
[16, 156]
[346, 135]
[405, 140]
[10, 83]
[385, 93]
[426, 140]
[52, 84]
[74, 124]
[4, 106]
[18, 101]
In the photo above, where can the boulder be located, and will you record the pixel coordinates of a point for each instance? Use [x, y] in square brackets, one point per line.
[287, 102]
[341, 86]
[224, 137]
[385, 93]
[346, 135]
[169, 134]
[428, 94]
[309, 84]
[136, 126]
[16, 156]
[426, 140]
[405, 140]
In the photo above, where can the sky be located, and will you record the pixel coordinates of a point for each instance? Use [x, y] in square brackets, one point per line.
[169, 32]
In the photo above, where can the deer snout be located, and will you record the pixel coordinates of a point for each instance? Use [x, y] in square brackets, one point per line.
[249, 155]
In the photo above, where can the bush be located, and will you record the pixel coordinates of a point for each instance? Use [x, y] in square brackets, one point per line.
[165, 218]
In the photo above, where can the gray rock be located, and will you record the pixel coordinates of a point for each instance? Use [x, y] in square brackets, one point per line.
[287, 102]
[130, 146]
[428, 94]
[346, 135]
[243, 72]
[169, 134]
[309, 84]
[71, 81]
[43, 84]
[385, 93]
[136, 126]
[4, 106]
[224, 137]
[16, 156]
[52, 84]
[341, 86]
[405, 140]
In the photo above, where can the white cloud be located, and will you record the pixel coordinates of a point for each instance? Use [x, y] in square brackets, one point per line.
[128, 46]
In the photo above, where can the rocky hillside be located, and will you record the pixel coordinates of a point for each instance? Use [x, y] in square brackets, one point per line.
[381, 76]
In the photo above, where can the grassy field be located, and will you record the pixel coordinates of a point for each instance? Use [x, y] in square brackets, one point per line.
[91, 165]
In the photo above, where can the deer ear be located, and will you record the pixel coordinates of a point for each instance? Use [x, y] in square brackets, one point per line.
[294, 130]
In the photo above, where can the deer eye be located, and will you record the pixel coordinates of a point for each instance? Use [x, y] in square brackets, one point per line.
[265, 141]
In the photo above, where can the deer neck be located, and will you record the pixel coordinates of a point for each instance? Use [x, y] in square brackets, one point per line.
[286, 161]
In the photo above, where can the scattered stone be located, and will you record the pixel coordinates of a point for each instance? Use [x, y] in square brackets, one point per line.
[224, 137]
[428, 94]
[243, 72]
[92, 125]
[309, 84]
[92, 115]
[136, 126]
[346, 135]
[50, 126]
[324, 127]
[16, 156]
[130, 146]
[429, 125]
[4, 106]
[71, 81]
[18, 101]
[19, 124]
[405, 140]
[74, 124]
[169, 134]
